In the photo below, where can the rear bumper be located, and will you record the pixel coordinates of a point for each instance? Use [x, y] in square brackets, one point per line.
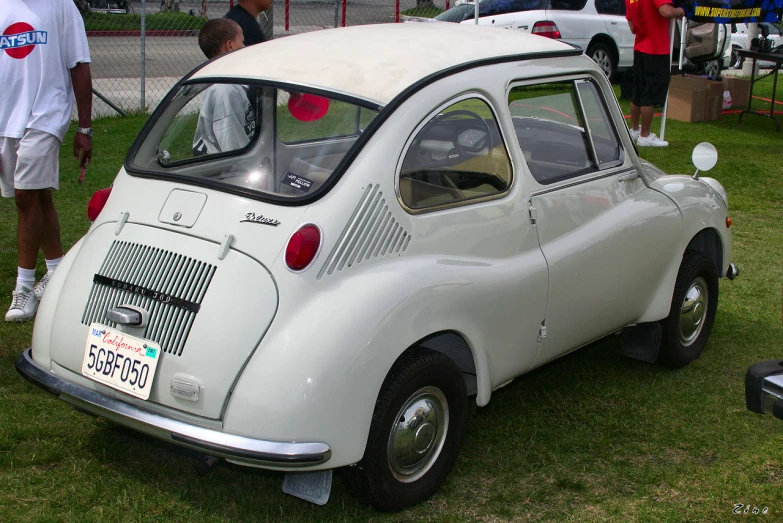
[240, 449]
[764, 388]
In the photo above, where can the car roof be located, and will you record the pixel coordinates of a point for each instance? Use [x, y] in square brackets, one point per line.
[374, 62]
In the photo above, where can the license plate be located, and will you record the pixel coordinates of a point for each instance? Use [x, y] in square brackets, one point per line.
[123, 362]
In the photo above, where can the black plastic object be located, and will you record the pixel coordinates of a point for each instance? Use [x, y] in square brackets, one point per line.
[754, 397]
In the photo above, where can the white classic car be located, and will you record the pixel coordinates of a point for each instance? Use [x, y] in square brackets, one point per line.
[394, 235]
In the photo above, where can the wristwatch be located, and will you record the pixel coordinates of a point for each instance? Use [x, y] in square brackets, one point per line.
[85, 130]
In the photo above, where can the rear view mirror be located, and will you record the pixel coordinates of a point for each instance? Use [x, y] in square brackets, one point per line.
[704, 157]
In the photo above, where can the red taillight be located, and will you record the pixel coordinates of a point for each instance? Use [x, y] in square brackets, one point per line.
[302, 247]
[547, 29]
[97, 202]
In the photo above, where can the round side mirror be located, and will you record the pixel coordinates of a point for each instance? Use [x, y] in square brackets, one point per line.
[705, 156]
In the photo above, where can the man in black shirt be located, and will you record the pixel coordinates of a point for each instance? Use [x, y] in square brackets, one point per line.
[245, 13]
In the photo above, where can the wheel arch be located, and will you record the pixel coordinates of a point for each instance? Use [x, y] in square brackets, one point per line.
[453, 345]
[708, 242]
[603, 38]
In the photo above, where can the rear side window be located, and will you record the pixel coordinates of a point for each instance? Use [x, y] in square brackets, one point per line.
[563, 129]
[464, 12]
[457, 156]
[567, 5]
[610, 7]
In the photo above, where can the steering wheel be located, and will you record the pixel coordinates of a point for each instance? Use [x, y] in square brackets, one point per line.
[463, 142]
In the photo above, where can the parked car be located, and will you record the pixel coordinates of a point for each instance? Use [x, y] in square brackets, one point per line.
[597, 26]
[764, 388]
[740, 40]
[394, 240]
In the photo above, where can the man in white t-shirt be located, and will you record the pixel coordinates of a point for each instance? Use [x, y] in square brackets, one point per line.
[44, 65]
[226, 120]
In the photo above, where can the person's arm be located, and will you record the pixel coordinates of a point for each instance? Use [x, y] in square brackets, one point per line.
[82, 90]
[669, 11]
[630, 26]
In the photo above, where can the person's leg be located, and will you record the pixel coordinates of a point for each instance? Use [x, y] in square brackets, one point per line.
[647, 113]
[29, 230]
[637, 91]
[50, 235]
[636, 112]
[35, 175]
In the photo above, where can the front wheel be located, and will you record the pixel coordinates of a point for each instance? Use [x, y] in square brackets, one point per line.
[603, 56]
[694, 303]
[415, 435]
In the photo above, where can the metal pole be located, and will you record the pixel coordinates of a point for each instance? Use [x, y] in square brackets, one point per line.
[336, 12]
[109, 103]
[671, 53]
[143, 55]
[476, 10]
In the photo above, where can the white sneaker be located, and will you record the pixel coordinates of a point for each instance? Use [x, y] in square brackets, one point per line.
[40, 287]
[635, 134]
[24, 304]
[651, 141]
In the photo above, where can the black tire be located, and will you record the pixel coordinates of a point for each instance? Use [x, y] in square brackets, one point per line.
[604, 57]
[428, 387]
[694, 303]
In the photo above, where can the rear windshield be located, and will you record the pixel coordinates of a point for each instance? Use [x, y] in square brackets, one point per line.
[268, 140]
[489, 8]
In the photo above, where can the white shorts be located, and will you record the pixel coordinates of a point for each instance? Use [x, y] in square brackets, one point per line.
[29, 163]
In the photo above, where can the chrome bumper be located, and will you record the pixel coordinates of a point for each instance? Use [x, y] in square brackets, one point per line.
[764, 388]
[240, 449]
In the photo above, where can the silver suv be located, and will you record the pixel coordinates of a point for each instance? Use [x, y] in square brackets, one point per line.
[598, 26]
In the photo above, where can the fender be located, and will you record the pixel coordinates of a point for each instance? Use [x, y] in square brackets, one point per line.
[42, 329]
[335, 353]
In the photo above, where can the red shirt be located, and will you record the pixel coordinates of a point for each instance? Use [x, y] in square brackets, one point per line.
[652, 30]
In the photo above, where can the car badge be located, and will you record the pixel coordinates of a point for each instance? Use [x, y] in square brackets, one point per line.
[260, 219]
[177, 216]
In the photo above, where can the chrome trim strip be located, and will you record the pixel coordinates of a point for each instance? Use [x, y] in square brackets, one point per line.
[236, 448]
[773, 385]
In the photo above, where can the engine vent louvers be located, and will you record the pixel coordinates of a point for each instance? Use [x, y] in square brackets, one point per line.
[372, 232]
[168, 285]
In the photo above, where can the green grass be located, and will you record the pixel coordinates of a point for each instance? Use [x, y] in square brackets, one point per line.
[152, 22]
[590, 437]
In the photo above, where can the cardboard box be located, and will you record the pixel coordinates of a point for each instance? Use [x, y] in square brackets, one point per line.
[687, 98]
[713, 106]
[694, 98]
[739, 89]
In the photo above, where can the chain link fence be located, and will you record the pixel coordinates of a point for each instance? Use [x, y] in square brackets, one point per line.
[140, 49]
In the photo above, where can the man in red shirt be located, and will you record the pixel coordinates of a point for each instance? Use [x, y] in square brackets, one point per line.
[649, 21]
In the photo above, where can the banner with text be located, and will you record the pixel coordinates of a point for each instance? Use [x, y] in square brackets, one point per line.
[727, 11]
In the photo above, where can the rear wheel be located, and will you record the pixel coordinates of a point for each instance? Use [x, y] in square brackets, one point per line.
[604, 57]
[416, 432]
[694, 303]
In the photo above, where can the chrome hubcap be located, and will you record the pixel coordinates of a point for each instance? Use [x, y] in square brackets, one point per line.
[603, 61]
[418, 434]
[693, 311]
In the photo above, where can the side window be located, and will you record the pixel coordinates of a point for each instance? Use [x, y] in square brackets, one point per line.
[563, 129]
[610, 7]
[567, 5]
[457, 156]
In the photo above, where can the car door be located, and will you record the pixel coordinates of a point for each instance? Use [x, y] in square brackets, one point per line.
[613, 14]
[606, 237]
[577, 21]
[459, 182]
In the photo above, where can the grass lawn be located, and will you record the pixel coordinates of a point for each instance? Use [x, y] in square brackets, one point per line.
[132, 22]
[590, 437]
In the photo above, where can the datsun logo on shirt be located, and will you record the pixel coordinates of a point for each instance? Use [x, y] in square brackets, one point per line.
[19, 40]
